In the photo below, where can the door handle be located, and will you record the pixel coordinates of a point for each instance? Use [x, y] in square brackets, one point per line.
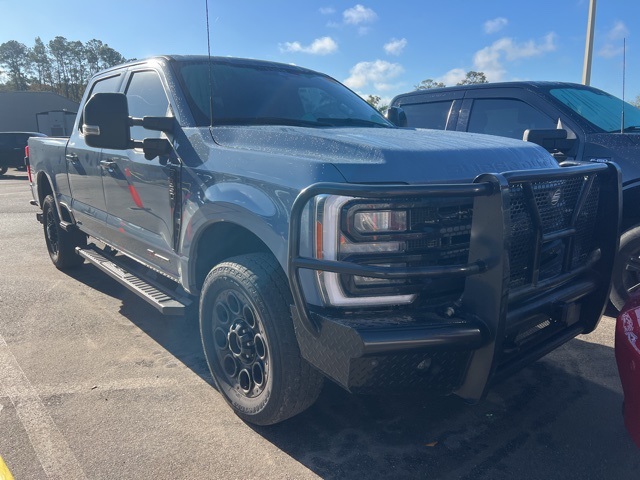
[71, 157]
[108, 164]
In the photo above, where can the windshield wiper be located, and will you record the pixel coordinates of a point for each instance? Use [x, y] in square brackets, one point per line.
[359, 122]
[292, 122]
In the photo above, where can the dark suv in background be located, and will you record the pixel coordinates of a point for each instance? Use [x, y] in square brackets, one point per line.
[12, 149]
[573, 122]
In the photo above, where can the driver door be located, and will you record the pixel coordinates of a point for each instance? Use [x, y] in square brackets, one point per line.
[137, 191]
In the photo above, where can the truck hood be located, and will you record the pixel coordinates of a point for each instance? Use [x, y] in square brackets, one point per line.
[402, 155]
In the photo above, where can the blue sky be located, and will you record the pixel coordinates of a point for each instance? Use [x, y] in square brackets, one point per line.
[375, 47]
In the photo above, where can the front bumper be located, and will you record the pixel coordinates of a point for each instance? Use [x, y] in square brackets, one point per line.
[495, 328]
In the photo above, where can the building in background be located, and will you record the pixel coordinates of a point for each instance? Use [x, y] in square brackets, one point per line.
[45, 112]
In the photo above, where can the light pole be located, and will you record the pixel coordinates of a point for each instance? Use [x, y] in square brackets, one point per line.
[588, 49]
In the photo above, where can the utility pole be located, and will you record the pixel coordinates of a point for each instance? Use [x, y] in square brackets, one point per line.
[588, 49]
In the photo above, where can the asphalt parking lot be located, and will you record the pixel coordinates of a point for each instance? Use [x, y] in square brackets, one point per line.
[96, 384]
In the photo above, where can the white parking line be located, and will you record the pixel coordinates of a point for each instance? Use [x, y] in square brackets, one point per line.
[51, 448]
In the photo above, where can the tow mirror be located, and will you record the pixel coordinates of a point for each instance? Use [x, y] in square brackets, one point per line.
[550, 139]
[107, 124]
[106, 121]
[397, 116]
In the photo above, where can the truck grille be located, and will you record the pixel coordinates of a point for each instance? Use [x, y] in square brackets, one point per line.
[550, 206]
[552, 233]
[446, 232]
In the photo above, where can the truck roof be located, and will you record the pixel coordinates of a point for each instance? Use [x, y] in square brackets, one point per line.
[527, 85]
[214, 60]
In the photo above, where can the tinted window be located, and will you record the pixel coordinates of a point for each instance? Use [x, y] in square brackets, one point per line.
[601, 109]
[428, 115]
[13, 140]
[272, 94]
[506, 118]
[146, 98]
[105, 85]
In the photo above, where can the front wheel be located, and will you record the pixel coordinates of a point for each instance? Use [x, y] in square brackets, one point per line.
[249, 342]
[61, 244]
[626, 269]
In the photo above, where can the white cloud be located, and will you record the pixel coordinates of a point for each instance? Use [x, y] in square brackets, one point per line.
[610, 51]
[618, 31]
[395, 46]
[490, 59]
[452, 77]
[377, 73]
[495, 25]
[613, 46]
[359, 15]
[327, 10]
[320, 46]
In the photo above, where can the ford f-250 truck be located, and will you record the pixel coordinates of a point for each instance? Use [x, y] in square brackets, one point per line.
[574, 122]
[319, 240]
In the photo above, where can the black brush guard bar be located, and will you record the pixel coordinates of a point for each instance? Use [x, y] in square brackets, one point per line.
[486, 293]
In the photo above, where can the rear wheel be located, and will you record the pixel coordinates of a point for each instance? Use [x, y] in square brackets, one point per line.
[249, 342]
[626, 269]
[61, 244]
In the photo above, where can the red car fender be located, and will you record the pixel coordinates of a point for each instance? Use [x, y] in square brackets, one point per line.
[627, 347]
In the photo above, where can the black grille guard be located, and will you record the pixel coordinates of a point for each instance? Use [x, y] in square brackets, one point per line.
[487, 294]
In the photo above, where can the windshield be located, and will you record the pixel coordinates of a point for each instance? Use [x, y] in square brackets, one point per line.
[601, 109]
[262, 94]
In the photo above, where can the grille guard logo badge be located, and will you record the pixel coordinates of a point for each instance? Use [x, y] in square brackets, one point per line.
[555, 197]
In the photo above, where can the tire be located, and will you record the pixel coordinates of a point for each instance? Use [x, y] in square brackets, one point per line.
[61, 244]
[249, 342]
[3, 170]
[626, 269]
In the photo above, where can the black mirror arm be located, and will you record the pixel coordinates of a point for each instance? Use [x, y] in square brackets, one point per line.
[153, 147]
[160, 124]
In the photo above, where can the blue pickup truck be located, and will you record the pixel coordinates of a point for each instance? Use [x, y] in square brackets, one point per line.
[316, 239]
[573, 122]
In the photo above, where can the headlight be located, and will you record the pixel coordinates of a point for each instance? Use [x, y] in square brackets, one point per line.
[366, 222]
[347, 228]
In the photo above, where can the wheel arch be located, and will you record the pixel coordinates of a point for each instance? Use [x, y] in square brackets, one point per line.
[218, 241]
[45, 187]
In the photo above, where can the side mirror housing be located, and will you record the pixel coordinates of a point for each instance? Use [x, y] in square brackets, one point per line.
[397, 116]
[106, 121]
[550, 139]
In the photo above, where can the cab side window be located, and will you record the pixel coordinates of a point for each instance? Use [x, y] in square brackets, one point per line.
[428, 115]
[146, 98]
[506, 118]
[104, 85]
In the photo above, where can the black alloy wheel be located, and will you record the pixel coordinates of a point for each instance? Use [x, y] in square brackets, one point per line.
[249, 341]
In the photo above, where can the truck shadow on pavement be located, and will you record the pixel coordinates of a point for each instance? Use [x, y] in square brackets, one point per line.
[548, 421]
[179, 335]
[558, 418]
[13, 176]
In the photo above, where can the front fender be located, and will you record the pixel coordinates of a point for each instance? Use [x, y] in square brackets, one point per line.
[262, 210]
